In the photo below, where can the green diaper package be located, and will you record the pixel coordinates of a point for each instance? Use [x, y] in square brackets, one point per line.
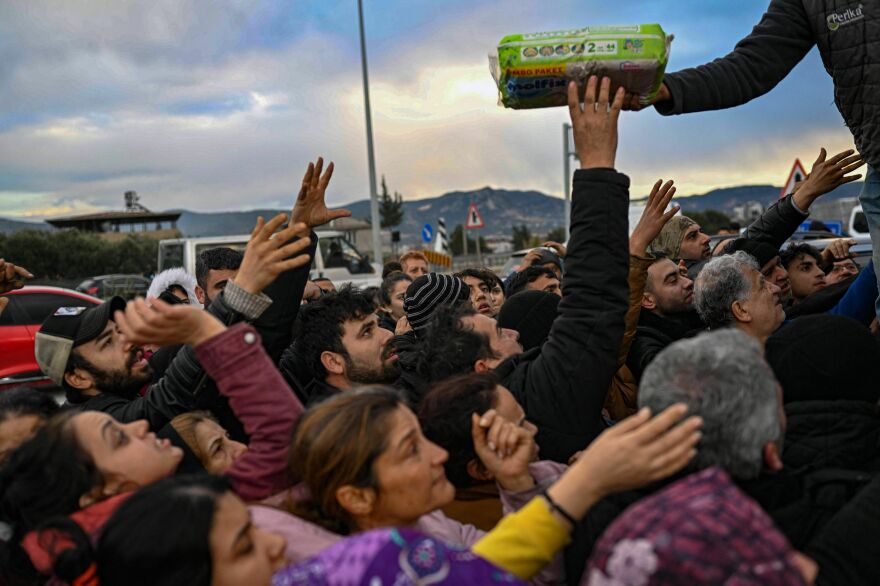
[533, 70]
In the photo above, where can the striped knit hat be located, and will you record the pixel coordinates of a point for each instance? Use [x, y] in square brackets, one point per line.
[427, 293]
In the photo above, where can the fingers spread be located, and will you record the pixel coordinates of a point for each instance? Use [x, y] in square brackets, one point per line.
[660, 424]
[821, 157]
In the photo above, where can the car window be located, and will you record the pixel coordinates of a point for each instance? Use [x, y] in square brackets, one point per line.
[6, 316]
[36, 307]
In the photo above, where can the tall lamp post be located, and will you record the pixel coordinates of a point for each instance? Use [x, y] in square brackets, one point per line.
[567, 154]
[371, 158]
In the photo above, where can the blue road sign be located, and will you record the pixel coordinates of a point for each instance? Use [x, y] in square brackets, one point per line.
[833, 226]
[427, 233]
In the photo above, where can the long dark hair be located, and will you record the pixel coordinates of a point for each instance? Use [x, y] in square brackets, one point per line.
[161, 535]
[41, 481]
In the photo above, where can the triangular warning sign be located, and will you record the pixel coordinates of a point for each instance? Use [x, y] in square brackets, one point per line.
[474, 219]
[796, 175]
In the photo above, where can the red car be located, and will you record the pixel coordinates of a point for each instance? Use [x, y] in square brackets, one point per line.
[19, 324]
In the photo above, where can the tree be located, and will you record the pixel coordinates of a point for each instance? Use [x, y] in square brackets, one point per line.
[390, 207]
[457, 246]
[710, 221]
[556, 235]
[523, 238]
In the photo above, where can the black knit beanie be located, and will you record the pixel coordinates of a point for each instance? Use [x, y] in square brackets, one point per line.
[825, 357]
[427, 293]
[531, 313]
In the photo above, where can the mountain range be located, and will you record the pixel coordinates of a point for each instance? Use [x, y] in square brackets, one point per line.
[501, 209]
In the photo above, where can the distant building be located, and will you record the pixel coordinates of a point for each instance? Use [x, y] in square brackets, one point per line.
[747, 212]
[135, 219]
[499, 245]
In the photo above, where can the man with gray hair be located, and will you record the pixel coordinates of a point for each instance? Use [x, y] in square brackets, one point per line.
[731, 291]
[723, 377]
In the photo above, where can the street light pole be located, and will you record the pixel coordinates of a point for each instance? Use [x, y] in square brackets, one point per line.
[566, 171]
[371, 159]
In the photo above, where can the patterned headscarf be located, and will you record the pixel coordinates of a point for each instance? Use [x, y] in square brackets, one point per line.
[669, 240]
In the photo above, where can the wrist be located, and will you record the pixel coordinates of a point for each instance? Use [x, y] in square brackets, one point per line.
[518, 483]
[596, 161]
[638, 247]
[206, 330]
[246, 285]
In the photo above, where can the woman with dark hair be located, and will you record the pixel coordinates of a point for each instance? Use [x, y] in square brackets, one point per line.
[22, 411]
[366, 464]
[88, 457]
[391, 295]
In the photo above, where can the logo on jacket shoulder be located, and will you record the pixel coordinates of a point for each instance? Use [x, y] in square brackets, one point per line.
[836, 20]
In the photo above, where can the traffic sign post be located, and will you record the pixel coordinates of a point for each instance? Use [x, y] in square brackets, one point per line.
[427, 234]
[796, 175]
[474, 219]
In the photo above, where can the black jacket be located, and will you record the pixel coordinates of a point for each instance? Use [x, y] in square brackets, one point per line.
[562, 385]
[654, 334]
[843, 434]
[846, 34]
[185, 386]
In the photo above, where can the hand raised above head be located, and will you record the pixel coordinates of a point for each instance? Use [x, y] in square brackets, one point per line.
[654, 217]
[595, 124]
[269, 254]
[310, 207]
[163, 324]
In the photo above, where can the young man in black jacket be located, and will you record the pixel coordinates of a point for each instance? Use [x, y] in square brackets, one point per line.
[562, 384]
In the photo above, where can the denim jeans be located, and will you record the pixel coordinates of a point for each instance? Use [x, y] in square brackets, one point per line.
[870, 200]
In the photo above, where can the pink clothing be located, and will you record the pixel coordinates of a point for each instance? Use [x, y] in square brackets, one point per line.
[261, 400]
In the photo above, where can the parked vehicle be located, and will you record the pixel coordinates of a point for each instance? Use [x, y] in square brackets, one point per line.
[335, 258]
[858, 223]
[861, 250]
[107, 286]
[19, 323]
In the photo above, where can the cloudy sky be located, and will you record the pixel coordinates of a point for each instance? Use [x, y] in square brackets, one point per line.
[219, 104]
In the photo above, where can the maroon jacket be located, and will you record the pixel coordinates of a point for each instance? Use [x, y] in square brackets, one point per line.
[262, 401]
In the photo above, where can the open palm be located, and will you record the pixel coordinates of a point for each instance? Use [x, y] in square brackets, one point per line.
[310, 207]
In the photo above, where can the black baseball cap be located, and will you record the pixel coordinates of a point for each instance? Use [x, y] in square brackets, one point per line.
[67, 328]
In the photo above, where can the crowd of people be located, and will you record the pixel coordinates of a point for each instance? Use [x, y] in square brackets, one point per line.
[633, 407]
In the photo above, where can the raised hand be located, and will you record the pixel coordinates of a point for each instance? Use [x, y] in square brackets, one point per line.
[12, 276]
[505, 449]
[266, 256]
[559, 248]
[310, 208]
[529, 259]
[163, 324]
[827, 175]
[595, 124]
[838, 250]
[633, 453]
[653, 218]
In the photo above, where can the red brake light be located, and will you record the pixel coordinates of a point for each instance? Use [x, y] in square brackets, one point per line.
[92, 290]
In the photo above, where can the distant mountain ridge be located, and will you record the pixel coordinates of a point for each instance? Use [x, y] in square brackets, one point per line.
[501, 210]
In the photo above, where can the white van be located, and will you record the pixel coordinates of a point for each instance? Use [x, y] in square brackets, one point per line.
[858, 223]
[335, 257]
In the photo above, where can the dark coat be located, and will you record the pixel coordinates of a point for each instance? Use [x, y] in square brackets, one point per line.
[843, 434]
[562, 385]
[654, 334]
[848, 43]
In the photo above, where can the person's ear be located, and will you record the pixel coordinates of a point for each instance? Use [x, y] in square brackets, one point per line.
[200, 294]
[740, 311]
[79, 379]
[772, 458]
[648, 302]
[332, 362]
[477, 471]
[482, 366]
[359, 502]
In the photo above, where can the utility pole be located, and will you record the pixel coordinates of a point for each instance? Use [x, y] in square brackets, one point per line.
[566, 171]
[371, 159]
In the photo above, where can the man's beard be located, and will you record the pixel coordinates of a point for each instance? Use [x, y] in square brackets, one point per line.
[385, 373]
[125, 384]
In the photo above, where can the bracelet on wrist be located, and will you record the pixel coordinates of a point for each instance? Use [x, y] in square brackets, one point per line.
[557, 508]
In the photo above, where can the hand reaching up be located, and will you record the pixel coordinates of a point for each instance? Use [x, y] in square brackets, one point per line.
[11, 277]
[163, 324]
[827, 175]
[505, 449]
[310, 208]
[653, 218]
[267, 256]
[595, 124]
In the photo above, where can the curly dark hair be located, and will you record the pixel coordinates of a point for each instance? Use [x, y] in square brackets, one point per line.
[529, 275]
[449, 347]
[320, 325]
